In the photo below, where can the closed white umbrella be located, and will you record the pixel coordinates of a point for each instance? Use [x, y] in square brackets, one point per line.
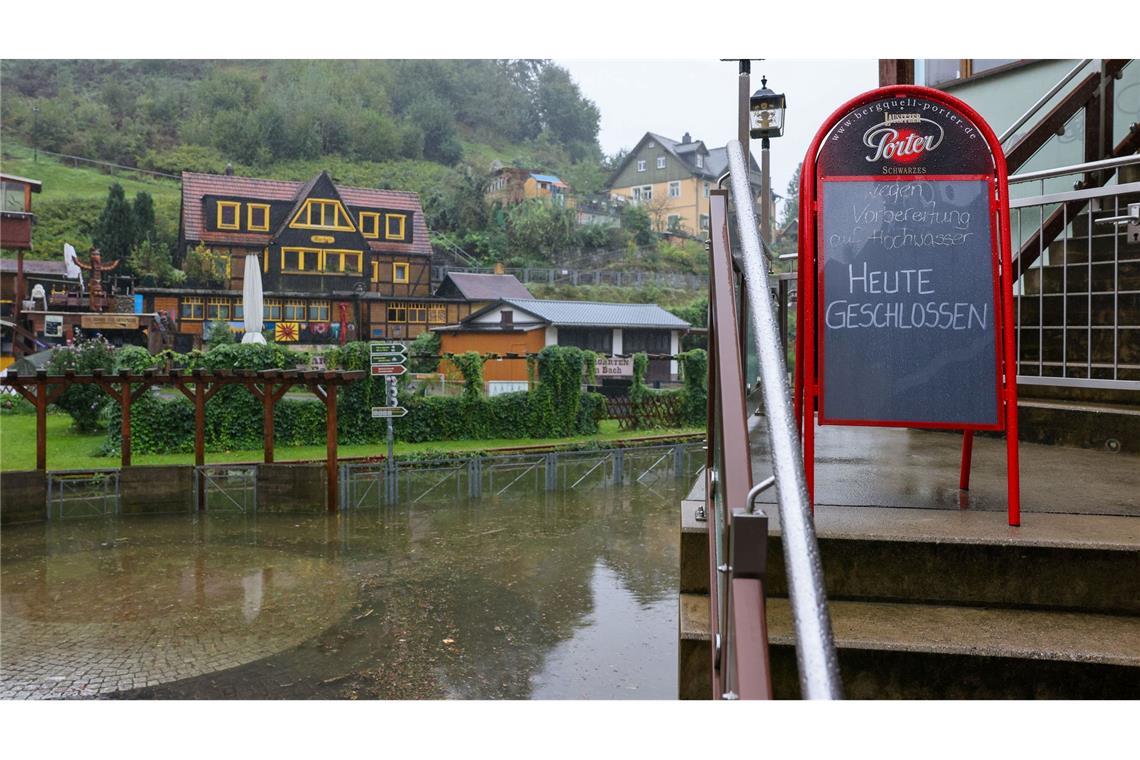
[252, 303]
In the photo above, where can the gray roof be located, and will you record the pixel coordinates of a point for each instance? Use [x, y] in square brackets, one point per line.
[593, 314]
[488, 287]
[36, 266]
[715, 164]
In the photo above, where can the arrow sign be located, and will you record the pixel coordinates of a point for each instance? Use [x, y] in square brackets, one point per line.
[389, 358]
[387, 348]
[388, 369]
[379, 412]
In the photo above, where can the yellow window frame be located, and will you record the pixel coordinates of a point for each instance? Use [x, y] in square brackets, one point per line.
[221, 305]
[293, 305]
[375, 271]
[388, 219]
[417, 312]
[371, 230]
[401, 311]
[250, 207]
[437, 314]
[345, 257]
[300, 258]
[341, 219]
[270, 305]
[192, 302]
[324, 309]
[236, 206]
[396, 266]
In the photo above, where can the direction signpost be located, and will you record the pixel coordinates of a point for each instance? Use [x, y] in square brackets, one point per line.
[389, 360]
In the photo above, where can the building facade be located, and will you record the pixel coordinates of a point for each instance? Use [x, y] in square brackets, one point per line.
[526, 326]
[337, 263]
[509, 185]
[672, 180]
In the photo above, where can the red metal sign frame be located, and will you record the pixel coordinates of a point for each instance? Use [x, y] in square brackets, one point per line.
[809, 304]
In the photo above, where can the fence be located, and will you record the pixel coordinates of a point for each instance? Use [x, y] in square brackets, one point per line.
[653, 411]
[1078, 305]
[561, 276]
[82, 493]
[370, 484]
[226, 488]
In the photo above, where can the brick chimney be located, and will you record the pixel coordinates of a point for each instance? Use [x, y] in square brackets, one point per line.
[686, 139]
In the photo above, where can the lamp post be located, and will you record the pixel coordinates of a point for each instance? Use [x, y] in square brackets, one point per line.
[35, 134]
[766, 120]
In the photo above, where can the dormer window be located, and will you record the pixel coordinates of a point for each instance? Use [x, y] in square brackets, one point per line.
[257, 217]
[700, 161]
[394, 225]
[323, 215]
[370, 224]
[229, 215]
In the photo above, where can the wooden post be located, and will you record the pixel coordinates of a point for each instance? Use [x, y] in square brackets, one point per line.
[330, 463]
[267, 425]
[41, 424]
[125, 429]
[200, 439]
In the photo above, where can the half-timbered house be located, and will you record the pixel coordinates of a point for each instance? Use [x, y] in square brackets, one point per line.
[332, 258]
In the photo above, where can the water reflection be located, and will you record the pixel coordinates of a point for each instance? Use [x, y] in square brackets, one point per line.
[560, 596]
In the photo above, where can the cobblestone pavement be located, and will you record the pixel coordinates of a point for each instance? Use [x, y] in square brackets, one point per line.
[116, 618]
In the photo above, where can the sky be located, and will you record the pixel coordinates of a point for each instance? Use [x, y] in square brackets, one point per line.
[671, 97]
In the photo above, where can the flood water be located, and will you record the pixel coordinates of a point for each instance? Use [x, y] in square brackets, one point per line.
[555, 595]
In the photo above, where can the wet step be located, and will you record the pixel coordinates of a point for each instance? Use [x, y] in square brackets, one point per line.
[1081, 563]
[694, 653]
[891, 650]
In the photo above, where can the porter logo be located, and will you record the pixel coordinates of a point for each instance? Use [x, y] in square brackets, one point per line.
[897, 140]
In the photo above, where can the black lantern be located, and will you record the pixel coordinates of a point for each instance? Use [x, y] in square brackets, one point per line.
[766, 112]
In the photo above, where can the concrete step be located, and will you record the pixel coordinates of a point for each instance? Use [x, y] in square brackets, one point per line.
[1113, 427]
[915, 651]
[694, 655]
[1085, 563]
[1109, 271]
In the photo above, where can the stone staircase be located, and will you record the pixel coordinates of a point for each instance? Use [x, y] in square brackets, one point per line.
[1066, 315]
[940, 604]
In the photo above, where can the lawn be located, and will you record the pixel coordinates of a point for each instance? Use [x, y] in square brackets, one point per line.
[85, 181]
[71, 451]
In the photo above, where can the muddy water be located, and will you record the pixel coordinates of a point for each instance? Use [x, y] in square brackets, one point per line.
[563, 595]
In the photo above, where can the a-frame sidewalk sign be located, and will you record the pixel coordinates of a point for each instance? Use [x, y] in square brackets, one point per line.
[905, 306]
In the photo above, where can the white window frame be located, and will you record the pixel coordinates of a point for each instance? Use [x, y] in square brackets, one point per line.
[675, 186]
[641, 166]
[707, 187]
[661, 162]
[700, 161]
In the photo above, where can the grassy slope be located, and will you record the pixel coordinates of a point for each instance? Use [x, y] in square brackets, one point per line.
[62, 180]
[68, 450]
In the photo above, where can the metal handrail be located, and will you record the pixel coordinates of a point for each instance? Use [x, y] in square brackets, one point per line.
[815, 647]
[1088, 166]
[1008, 133]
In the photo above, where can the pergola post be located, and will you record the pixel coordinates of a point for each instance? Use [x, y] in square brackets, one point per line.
[200, 439]
[41, 424]
[267, 413]
[330, 459]
[125, 428]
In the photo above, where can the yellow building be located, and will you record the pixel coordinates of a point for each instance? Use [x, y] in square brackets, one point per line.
[672, 181]
[509, 185]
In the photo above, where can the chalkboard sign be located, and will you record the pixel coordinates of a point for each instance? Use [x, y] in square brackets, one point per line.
[907, 302]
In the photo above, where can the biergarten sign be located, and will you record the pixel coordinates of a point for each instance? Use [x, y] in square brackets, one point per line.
[613, 366]
[905, 274]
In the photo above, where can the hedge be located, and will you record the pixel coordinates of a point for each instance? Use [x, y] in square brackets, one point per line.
[557, 408]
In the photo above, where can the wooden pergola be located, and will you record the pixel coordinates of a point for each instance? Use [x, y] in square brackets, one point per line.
[199, 386]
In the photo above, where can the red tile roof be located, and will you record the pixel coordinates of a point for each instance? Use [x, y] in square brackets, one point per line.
[195, 186]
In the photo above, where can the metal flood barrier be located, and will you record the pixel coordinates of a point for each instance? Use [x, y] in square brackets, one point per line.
[372, 484]
[82, 493]
[227, 488]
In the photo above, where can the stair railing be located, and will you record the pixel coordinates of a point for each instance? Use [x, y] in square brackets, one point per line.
[737, 532]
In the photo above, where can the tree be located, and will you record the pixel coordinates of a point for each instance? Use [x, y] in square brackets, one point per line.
[114, 233]
[143, 213]
[204, 266]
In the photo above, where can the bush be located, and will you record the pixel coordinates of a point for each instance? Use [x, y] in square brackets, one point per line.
[84, 402]
[557, 408]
